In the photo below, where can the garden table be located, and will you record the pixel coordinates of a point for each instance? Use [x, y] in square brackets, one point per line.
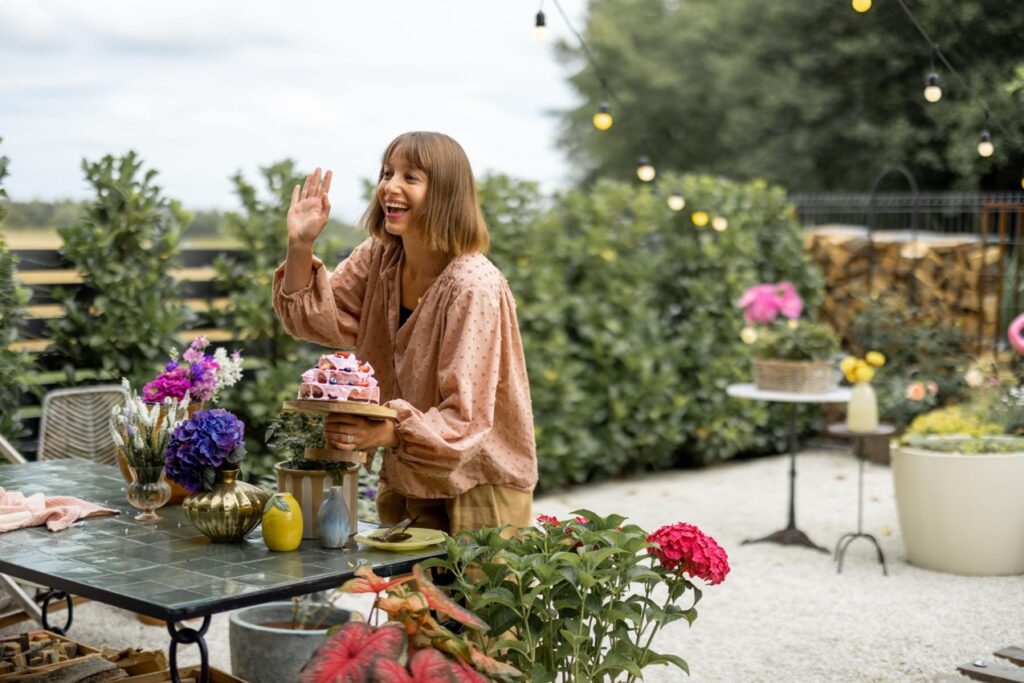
[166, 570]
[790, 535]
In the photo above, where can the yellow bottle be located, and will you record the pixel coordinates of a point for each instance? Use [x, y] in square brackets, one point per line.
[282, 523]
[862, 410]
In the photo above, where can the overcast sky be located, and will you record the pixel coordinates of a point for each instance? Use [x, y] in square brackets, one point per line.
[203, 89]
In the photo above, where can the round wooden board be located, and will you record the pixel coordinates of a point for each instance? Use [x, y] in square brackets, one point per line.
[370, 410]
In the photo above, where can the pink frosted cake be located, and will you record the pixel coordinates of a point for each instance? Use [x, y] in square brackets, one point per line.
[340, 377]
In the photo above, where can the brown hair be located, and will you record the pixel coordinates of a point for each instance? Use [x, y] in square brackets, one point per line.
[450, 216]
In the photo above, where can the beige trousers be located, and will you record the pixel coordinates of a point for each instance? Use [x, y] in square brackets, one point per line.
[483, 505]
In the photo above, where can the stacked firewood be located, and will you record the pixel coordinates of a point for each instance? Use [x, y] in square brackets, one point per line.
[44, 657]
[948, 277]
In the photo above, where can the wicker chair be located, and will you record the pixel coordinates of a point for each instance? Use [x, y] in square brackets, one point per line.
[9, 452]
[75, 423]
[10, 591]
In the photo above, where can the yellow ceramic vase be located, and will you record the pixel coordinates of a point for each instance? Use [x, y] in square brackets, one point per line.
[282, 523]
[226, 513]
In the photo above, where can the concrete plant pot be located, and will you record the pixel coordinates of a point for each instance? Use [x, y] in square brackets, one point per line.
[962, 514]
[275, 653]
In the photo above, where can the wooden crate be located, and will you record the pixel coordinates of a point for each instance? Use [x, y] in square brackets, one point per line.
[185, 674]
[78, 656]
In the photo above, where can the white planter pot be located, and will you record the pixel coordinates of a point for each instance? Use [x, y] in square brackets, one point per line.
[962, 514]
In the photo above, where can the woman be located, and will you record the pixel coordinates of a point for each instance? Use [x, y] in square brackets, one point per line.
[421, 303]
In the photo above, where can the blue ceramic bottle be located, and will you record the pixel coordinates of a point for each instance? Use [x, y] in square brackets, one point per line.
[333, 519]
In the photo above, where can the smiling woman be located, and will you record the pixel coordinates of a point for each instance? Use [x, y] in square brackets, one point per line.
[421, 303]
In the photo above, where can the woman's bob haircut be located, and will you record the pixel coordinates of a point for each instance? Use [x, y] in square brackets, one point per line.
[450, 217]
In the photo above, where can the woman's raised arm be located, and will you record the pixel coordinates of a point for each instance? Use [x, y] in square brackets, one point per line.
[307, 216]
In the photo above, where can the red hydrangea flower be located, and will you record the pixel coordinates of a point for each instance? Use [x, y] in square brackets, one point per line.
[686, 548]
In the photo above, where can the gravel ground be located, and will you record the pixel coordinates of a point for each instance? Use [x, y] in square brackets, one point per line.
[783, 613]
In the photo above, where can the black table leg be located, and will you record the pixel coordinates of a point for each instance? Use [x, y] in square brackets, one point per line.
[847, 539]
[790, 535]
[185, 636]
[59, 595]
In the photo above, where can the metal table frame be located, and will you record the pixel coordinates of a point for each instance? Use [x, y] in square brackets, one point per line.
[51, 559]
[845, 540]
[790, 535]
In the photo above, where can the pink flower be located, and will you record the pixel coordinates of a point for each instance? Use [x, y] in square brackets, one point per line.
[763, 303]
[686, 548]
[547, 520]
[1015, 333]
[915, 391]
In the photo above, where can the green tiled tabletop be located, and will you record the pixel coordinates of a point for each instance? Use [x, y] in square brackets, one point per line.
[167, 569]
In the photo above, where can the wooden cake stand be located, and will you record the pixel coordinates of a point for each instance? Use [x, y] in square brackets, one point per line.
[367, 410]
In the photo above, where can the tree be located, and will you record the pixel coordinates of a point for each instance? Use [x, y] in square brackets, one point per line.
[14, 364]
[807, 94]
[123, 318]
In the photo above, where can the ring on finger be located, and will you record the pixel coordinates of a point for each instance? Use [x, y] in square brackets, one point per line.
[348, 438]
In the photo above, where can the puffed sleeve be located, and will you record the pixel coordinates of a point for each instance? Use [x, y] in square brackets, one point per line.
[436, 442]
[326, 311]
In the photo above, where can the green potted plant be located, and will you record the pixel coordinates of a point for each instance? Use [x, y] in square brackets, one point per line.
[789, 354]
[581, 599]
[957, 476]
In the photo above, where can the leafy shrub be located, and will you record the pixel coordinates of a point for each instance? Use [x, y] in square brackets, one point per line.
[919, 349]
[245, 278]
[958, 419]
[628, 317]
[127, 309]
[14, 364]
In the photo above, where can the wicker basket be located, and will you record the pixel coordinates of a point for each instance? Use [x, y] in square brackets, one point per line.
[797, 376]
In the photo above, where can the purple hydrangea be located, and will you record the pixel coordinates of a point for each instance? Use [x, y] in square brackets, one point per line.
[208, 441]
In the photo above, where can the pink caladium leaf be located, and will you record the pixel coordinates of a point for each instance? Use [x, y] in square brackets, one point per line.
[492, 667]
[391, 672]
[349, 655]
[368, 582]
[439, 602]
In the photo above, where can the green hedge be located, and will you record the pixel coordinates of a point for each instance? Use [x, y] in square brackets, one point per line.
[628, 317]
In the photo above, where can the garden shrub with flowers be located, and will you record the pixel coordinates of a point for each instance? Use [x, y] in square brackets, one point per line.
[411, 646]
[198, 374]
[208, 441]
[581, 599]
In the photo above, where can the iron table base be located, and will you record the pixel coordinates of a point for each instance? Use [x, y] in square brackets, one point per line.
[847, 539]
[788, 536]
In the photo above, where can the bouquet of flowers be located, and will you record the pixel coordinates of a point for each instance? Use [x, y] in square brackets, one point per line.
[784, 340]
[140, 431]
[208, 441]
[198, 375]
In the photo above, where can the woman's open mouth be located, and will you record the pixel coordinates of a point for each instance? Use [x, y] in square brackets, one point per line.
[395, 210]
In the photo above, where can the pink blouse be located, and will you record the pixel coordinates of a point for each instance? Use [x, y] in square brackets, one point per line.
[454, 372]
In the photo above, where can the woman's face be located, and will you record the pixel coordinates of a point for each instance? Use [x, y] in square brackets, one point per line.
[402, 191]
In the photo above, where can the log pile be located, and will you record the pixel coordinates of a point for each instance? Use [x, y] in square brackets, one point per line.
[953, 277]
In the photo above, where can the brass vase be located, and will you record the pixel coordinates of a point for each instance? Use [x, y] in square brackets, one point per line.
[229, 511]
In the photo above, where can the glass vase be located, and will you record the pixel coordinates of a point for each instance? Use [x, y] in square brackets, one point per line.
[148, 491]
[862, 411]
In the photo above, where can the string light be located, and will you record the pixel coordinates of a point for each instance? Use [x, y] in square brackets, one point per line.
[645, 170]
[861, 6]
[603, 117]
[932, 91]
[985, 146]
[540, 28]
[676, 201]
[699, 218]
[719, 223]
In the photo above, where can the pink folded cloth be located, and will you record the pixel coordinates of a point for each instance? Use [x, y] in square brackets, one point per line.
[18, 511]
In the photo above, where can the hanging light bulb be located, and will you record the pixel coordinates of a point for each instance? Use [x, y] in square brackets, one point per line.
[719, 223]
[644, 170]
[699, 218]
[603, 117]
[932, 91]
[1022, 181]
[861, 5]
[540, 28]
[676, 201]
[985, 146]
